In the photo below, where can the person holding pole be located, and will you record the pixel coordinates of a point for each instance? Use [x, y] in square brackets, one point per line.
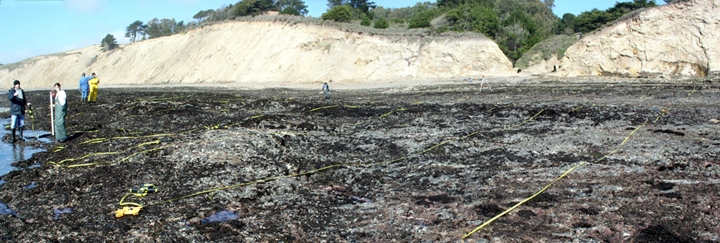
[52, 113]
[60, 109]
[18, 103]
[94, 81]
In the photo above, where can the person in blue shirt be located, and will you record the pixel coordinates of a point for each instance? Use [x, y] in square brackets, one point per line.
[84, 87]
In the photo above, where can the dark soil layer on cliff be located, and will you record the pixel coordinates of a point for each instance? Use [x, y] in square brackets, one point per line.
[417, 164]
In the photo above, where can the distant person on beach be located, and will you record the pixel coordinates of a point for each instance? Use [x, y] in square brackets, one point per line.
[60, 109]
[94, 81]
[84, 87]
[18, 103]
[326, 91]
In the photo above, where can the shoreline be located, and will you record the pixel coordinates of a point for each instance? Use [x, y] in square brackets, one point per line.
[491, 80]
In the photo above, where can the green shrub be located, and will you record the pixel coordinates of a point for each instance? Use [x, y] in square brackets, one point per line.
[339, 13]
[290, 11]
[365, 21]
[397, 20]
[381, 24]
[545, 49]
[442, 29]
[422, 20]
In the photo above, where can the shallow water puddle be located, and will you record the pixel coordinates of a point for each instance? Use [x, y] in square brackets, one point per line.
[31, 185]
[5, 210]
[61, 211]
[19, 151]
[221, 216]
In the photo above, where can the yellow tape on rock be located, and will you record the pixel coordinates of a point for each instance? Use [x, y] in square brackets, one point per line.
[570, 170]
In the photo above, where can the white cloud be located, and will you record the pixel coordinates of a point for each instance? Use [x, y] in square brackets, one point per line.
[85, 5]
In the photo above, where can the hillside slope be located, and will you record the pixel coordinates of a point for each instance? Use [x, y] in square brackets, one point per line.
[680, 39]
[268, 52]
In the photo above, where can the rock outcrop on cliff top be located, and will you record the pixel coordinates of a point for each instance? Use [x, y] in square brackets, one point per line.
[269, 52]
[681, 38]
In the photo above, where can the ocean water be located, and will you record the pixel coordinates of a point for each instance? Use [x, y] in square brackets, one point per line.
[10, 153]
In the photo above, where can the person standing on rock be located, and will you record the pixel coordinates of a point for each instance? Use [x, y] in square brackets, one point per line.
[60, 110]
[326, 91]
[94, 81]
[18, 103]
[84, 88]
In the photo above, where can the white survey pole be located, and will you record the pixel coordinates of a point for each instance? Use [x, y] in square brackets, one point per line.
[52, 116]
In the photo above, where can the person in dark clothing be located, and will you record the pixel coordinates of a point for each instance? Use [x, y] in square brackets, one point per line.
[18, 104]
[326, 91]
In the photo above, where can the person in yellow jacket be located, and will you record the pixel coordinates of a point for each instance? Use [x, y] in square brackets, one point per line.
[94, 81]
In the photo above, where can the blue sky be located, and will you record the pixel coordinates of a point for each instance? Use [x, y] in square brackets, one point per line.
[35, 27]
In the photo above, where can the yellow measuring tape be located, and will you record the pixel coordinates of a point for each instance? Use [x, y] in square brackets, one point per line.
[131, 208]
[549, 185]
[664, 112]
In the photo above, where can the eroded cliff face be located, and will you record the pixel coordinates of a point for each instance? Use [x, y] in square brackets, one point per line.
[674, 39]
[268, 52]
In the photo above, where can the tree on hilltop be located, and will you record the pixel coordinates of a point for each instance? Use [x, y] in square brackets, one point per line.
[594, 19]
[226, 11]
[334, 3]
[362, 5]
[549, 3]
[360, 8]
[253, 7]
[163, 27]
[290, 11]
[341, 13]
[142, 30]
[203, 15]
[109, 42]
[179, 27]
[292, 6]
[566, 25]
[133, 29]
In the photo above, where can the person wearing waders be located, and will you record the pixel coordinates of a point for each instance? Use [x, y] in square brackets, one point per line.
[84, 88]
[94, 81]
[18, 103]
[60, 109]
[326, 91]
